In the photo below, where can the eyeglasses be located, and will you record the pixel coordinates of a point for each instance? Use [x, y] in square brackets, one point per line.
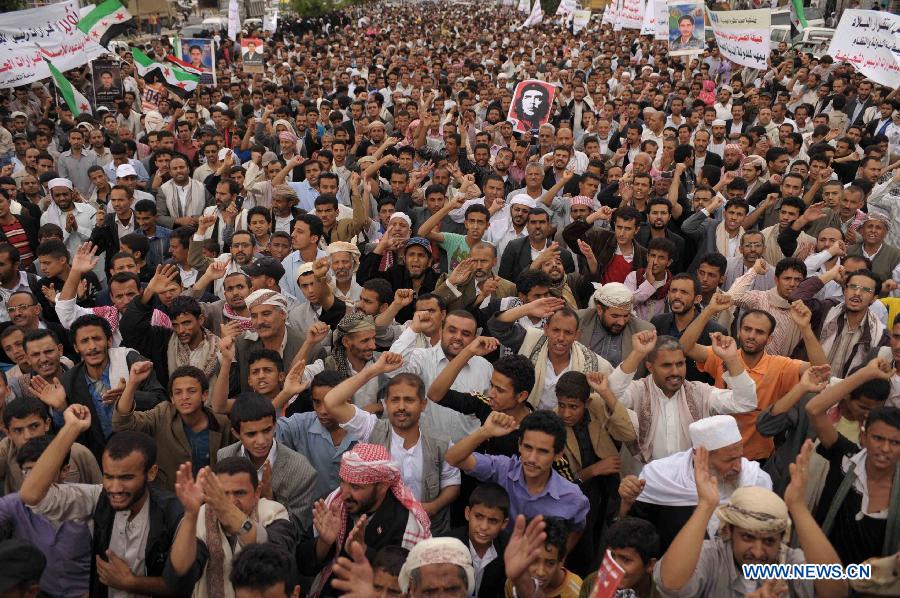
[18, 308]
[861, 289]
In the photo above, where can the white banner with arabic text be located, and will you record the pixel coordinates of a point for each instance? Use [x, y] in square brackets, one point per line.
[53, 28]
[870, 41]
[743, 36]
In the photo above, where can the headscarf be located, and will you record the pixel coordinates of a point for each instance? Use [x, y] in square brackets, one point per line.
[349, 324]
[267, 297]
[371, 464]
[756, 510]
[438, 551]
[287, 136]
[351, 248]
[613, 294]
[736, 147]
[582, 200]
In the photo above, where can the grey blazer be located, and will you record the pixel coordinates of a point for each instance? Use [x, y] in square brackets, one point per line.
[293, 482]
[169, 208]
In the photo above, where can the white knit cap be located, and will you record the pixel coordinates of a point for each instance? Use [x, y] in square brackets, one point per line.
[60, 182]
[437, 551]
[715, 432]
[613, 294]
[523, 199]
[267, 297]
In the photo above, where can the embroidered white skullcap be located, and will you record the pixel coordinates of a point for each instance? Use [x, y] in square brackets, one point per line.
[438, 551]
[523, 199]
[60, 182]
[715, 432]
[401, 216]
[267, 297]
[613, 294]
[304, 268]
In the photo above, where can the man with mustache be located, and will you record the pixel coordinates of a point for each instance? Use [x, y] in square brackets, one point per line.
[665, 395]
[473, 283]
[268, 317]
[436, 487]
[414, 273]
[242, 252]
[664, 494]
[607, 329]
[134, 522]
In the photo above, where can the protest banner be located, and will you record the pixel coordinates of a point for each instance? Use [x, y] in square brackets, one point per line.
[252, 55]
[53, 29]
[656, 20]
[609, 14]
[106, 76]
[870, 41]
[581, 19]
[536, 17]
[153, 93]
[531, 105]
[617, 23]
[743, 36]
[200, 54]
[270, 20]
[631, 14]
[685, 28]
[609, 577]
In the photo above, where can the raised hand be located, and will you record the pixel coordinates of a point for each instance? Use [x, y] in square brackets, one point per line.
[321, 267]
[421, 320]
[707, 485]
[880, 368]
[720, 302]
[388, 362]
[227, 349]
[462, 273]
[188, 491]
[327, 521]
[231, 329]
[140, 371]
[293, 381]
[51, 394]
[218, 268]
[112, 395]
[49, 292]
[630, 488]
[525, 546]
[644, 341]
[800, 314]
[723, 346]
[205, 222]
[816, 378]
[544, 307]
[599, 382]
[85, 259]
[483, 345]
[354, 578]
[357, 535]
[795, 493]
[77, 416]
[403, 297]
[317, 333]
[499, 424]
[165, 274]
[760, 267]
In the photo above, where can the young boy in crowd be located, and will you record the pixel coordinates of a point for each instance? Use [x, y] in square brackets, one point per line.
[547, 571]
[386, 565]
[484, 533]
[634, 545]
[595, 421]
[265, 376]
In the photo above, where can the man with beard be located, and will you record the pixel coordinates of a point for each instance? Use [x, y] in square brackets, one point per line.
[665, 402]
[732, 158]
[372, 493]
[616, 250]
[473, 283]
[534, 178]
[520, 253]
[345, 264]
[713, 229]
[76, 219]
[221, 315]
[872, 245]
[848, 329]
[656, 226]
[792, 213]
[684, 306]
[134, 522]
[553, 350]
[432, 481]
[752, 247]
[181, 200]
[241, 253]
[186, 343]
[774, 374]
[754, 527]
[665, 495]
[268, 318]
[414, 273]
[607, 329]
[510, 223]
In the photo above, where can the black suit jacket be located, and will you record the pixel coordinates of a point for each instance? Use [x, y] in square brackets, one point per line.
[730, 122]
[712, 159]
[494, 578]
[517, 258]
[850, 108]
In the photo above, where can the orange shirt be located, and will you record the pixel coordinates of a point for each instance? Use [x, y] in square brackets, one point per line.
[774, 376]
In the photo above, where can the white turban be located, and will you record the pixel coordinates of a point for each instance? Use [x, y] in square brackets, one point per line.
[715, 432]
[60, 182]
[438, 551]
[523, 199]
[613, 294]
[267, 297]
[401, 216]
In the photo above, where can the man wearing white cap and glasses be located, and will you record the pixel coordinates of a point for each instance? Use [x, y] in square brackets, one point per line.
[75, 218]
[666, 491]
[754, 528]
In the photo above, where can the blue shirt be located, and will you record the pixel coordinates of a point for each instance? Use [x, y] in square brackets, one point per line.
[67, 547]
[102, 409]
[559, 498]
[302, 432]
[199, 442]
[291, 264]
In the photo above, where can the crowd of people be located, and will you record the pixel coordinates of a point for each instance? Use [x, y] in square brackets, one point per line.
[338, 329]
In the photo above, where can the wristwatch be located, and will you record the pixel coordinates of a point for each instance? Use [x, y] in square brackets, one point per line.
[248, 525]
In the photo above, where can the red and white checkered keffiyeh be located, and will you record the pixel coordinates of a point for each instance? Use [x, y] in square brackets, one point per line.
[372, 464]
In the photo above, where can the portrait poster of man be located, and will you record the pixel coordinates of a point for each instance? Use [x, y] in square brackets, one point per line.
[200, 54]
[252, 55]
[531, 105]
[106, 79]
[686, 28]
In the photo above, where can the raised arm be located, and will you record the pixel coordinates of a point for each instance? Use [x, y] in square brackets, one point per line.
[719, 303]
[84, 261]
[814, 379]
[77, 420]
[219, 398]
[549, 194]
[339, 400]
[481, 346]
[460, 454]
[427, 228]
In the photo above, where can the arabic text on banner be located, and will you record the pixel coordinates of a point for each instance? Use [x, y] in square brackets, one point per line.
[656, 20]
[581, 19]
[743, 36]
[870, 41]
[53, 28]
[631, 14]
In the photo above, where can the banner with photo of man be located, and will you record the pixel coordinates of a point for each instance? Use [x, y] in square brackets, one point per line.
[686, 28]
[743, 36]
[531, 105]
[106, 77]
[200, 54]
[252, 55]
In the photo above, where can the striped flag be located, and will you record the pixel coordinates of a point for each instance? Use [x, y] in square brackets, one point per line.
[76, 102]
[176, 79]
[798, 15]
[109, 19]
